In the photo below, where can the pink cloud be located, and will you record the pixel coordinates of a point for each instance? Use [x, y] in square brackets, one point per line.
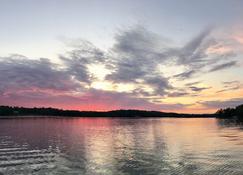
[90, 100]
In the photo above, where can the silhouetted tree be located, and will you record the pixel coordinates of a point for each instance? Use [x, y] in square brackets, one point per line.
[20, 111]
[236, 113]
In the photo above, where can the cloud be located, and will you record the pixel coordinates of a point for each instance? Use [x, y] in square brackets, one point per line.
[82, 54]
[178, 94]
[222, 104]
[220, 49]
[238, 36]
[187, 91]
[202, 52]
[39, 82]
[194, 51]
[223, 66]
[159, 84]
[139, 42]
[198, 89]
[90, 100]
[193, 83]
[194, 55]
[137, 53]
[18, 73]
[227, 83]
[139, 58]
[127, 101]
[230, 86]
[185, 75]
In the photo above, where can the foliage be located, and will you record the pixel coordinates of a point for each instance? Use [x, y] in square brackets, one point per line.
[236, 112]
[20, 111]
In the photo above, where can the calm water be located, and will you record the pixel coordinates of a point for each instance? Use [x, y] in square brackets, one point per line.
[120, 146]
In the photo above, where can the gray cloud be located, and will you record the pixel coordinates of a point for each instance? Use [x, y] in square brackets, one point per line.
[223, 104]
[187, 91]
[128, 71]
[134, 58]
[137, 53]
[83, 53]
[223, 66]
[185, 75]
[194, 51]
[41, 82]
[159, 84]
[227, 83]
[138, 42]
[195, 58]
[198, 89]
[19, 73]
[230, 85]
[178, 94]
[193, 83]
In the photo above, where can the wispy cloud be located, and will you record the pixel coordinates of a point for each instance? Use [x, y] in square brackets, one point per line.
[193, 53]
[198, 89]
[223, 66]
[230, 86]
[193, 83]
[185, 75]
[216, 104]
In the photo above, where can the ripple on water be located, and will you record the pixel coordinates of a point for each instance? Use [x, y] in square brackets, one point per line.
[119, 147]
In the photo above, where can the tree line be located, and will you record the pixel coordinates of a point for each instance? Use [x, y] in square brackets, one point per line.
[22, 111]
[236, 113]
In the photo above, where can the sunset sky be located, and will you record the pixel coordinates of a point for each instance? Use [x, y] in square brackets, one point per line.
[167, 55]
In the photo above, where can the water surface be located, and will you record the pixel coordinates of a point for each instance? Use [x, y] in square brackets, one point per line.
[93, 146]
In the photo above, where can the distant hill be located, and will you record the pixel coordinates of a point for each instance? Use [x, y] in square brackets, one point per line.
[229, 113]
[7, 111]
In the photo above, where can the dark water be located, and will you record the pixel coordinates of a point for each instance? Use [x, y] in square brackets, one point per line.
[120, 146]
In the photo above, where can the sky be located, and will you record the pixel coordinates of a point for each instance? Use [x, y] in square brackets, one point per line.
[166, 55]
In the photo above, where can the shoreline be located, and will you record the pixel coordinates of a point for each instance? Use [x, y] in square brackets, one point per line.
[9, 112]
[73, 117]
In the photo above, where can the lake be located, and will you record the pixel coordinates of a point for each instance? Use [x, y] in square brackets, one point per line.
[120, 146]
